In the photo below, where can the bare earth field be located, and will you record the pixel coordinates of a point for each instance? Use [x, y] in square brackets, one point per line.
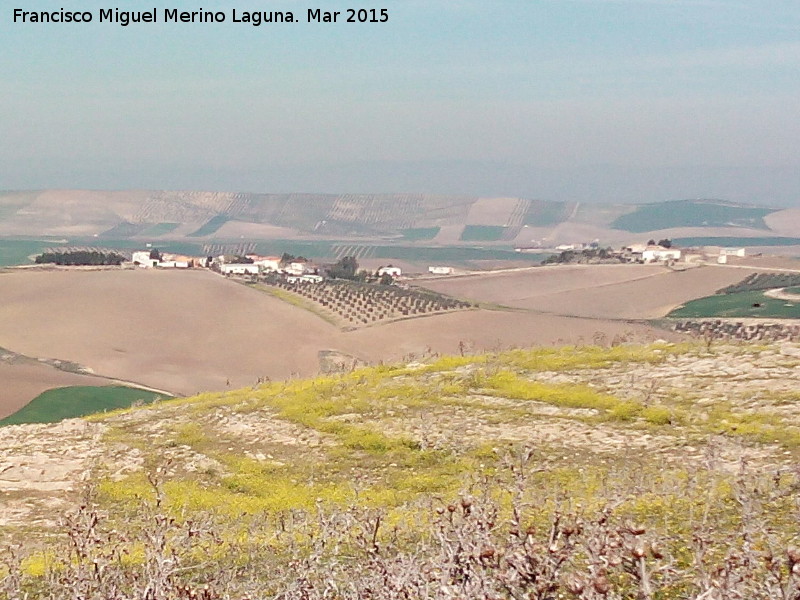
[784, 222]
[788, 252]
[236, 229]
[778, 263]
[596, 291]
[186, 332]
[566, 233]
[495, 211]
[486, 330]
[183, 332]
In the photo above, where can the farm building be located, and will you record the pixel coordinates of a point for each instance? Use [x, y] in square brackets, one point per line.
[142, 258]
[176, 261]
[298, 267]
[640, 253]
[660, 254]
[389, 270]
[167, 261]
[740, 252]
[438, 270]
[269, 263]
[240, 269]
[173, 264]
[693, 257]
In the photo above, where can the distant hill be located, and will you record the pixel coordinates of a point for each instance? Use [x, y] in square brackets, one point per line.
[406, 218]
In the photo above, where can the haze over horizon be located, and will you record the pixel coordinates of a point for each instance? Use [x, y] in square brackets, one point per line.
[587, 100]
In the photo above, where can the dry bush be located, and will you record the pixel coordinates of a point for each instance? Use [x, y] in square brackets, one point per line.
[493, 542]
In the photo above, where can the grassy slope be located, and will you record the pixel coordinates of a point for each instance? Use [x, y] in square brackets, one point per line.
[402, 440]
[407, 431]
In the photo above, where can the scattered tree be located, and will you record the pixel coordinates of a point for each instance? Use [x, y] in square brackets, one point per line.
[345, 268]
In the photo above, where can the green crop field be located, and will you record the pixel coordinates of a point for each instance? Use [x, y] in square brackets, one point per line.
[124, 230]
[159, 229]
[70, 402]
[178, 247]
[741, 304]
[690, 213]
[309, 249]
[482, 233]
[543, 213]
[211, 226]
[737, 241]
[16, 252]
[420, 233]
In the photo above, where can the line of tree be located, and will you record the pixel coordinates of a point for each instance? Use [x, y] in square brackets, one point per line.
[587, 255]
[287, 258]
[346, 268]
[80, 257]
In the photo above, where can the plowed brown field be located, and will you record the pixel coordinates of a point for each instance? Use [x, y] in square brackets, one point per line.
[593, 291]
[186, 332]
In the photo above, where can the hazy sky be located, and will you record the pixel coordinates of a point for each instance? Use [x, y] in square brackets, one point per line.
[631, 100]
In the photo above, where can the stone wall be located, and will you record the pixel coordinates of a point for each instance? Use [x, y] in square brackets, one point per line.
[741, 330]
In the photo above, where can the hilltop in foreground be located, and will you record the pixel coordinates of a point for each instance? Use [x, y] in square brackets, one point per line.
[665, 471]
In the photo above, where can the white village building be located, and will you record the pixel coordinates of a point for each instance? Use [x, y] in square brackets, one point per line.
[740, 252]
[269, 263]
[389, 270]
[167, 261]
[297, 267]
[240, 269]
[142, 258]
[660, 254]
[438, 270]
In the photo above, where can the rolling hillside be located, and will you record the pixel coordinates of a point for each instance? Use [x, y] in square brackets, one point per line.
[405, 218]
[187, 332]
[575, 472]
